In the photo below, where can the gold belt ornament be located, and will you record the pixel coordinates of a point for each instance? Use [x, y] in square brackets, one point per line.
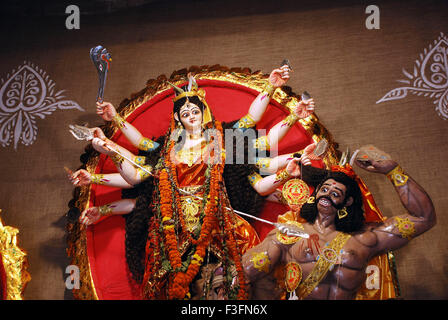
[190, 209]
[326, 261]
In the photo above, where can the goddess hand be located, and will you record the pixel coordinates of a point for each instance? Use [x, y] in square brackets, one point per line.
[90, 216]
[98, 133]
[106, 110]
[279, 77]
[102, 146]
[293, 167]
[80, 178]
[304, 108]
[305, 159]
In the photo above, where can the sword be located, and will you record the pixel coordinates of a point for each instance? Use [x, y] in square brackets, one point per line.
[101, 59]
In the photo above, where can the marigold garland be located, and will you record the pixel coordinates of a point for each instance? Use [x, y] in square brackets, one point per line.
[169, 211]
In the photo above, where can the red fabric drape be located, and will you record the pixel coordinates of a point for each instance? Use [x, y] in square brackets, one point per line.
[2, 280]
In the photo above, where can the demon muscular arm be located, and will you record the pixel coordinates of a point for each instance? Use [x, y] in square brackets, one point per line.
[259, 263]
[396, 231]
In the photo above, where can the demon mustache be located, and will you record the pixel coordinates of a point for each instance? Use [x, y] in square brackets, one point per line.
[335, 205]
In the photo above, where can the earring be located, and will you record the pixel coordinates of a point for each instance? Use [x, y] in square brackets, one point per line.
[342, 213]
[310, 200]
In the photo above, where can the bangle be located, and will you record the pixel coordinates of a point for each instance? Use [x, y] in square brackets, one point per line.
[146, 144]
[245, 122]
[254, 178]
[141, 160]
[261, 143]
[269, 90]
[281, 176]
[117, 159]
[290, 120]
[144, 174]
[297, 154]
[105, 210]
[262, 163]
[397, 176]
[98, 178]
[119, 121]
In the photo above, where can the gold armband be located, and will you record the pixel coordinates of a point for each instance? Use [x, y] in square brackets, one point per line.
[146, 144]
[144, 174]
[269, 90]
[117, 159]
[262, 143]
[246, 122]
[140, 160]
[261, 261]
[406, 227]
[118, 121]
[281, 176]
[105, 210]
[254, 178]
[397, 176]
[98, 178]
[290, 120]
[262, 163]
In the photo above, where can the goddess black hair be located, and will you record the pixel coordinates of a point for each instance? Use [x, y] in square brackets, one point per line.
[179, 103]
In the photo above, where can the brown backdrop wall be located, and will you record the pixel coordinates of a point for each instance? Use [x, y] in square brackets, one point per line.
[346, 67]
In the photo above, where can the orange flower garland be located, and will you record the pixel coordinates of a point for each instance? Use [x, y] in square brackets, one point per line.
[179, 286]
[164, 237]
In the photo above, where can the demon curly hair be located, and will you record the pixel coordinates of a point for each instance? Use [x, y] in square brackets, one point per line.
[354, 221]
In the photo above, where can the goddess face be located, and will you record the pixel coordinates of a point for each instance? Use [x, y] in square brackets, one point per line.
[190, 116]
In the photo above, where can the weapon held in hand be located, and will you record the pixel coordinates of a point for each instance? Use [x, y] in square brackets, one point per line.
[101, 59]
[84, 133]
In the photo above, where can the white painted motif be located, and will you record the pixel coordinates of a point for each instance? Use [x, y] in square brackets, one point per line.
[429, 77]
[27, 93]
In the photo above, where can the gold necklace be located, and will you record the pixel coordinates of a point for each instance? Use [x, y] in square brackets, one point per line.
[194, 136]
[190, 155]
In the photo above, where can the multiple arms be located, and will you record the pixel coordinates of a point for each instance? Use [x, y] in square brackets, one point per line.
[267, 185]
[277, 78]
[93, 214]
[128, 175]
[107, 111]
[302, 110]
[272, 165]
